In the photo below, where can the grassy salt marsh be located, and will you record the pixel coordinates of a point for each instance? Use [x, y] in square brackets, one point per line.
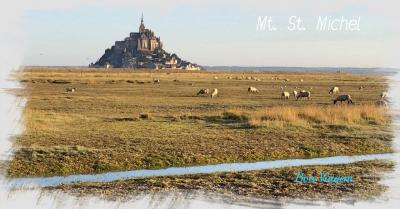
[121, 120]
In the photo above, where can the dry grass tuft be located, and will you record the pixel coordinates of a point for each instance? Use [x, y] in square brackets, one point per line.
[307, 116]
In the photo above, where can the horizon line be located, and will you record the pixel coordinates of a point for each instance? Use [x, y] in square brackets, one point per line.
[234, 66]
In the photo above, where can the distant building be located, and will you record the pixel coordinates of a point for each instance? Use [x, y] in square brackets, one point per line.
[141, 50]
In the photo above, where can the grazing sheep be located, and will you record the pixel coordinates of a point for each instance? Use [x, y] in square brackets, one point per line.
[215, 78]
[203, 92]
[381, 103]
[334, 90]
[286, 79]
[342, 98]
[303, 94]
[156, 81]
[252, 89]
[384, 95]
[258, 79]
[301, 80]
[70, 89]
[294, 94]
[214, 93]
[285, 95]
[361, 87]
[229, 77]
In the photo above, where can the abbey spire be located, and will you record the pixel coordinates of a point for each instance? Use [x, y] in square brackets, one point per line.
[141, 27]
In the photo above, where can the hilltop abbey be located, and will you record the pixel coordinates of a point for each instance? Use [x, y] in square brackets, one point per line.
[141, 50]
[146, 41]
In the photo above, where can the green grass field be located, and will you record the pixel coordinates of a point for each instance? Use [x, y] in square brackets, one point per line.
[120, 119]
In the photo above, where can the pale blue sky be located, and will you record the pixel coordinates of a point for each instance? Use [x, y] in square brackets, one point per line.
[211, 33]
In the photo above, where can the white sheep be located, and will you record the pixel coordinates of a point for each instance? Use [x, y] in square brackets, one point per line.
[214, 93]
[384, 95]
[294, 94]
[334, 90]
[252, 89]
[285, 95]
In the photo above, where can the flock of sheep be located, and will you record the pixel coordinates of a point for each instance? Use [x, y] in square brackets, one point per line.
[382, 101]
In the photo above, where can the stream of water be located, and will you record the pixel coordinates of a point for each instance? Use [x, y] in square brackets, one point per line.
[226, 167]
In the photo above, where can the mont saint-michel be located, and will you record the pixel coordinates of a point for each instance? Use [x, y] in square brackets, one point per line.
[142, 50]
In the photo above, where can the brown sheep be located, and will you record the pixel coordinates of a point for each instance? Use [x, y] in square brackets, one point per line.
[342, 98]
[203, 92]
[304, 94]
[70, 89]
[381, 103]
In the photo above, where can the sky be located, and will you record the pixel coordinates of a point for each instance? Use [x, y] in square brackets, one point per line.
[208, 32]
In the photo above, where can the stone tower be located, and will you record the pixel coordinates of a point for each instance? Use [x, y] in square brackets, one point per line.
[147, 41]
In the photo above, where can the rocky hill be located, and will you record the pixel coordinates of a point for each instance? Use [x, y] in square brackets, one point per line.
[142, 50]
